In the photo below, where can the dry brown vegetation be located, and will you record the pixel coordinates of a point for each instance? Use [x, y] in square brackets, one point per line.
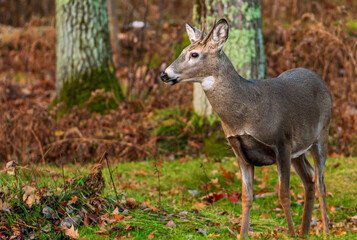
[316, 35]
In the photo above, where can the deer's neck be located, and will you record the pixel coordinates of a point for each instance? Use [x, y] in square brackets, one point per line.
[232, 97]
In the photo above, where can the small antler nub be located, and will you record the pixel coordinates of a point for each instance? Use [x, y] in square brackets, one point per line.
[204, 41]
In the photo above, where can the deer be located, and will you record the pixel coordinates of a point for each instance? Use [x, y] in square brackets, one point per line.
[267, 121]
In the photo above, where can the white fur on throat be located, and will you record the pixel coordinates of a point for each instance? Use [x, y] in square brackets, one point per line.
[207, 82]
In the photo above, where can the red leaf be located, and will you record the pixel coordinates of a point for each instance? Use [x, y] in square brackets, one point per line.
[217, 196]
[234, 197]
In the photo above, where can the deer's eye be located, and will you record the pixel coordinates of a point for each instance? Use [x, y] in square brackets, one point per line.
[194, 55]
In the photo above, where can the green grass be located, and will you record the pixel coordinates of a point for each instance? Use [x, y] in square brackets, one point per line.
[137, 180]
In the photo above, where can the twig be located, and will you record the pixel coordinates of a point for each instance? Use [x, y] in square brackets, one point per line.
[18, 183]
[158, 179]
[64, 183]
[206, 179]
[182, 196]
[110, 173]
[39, 144]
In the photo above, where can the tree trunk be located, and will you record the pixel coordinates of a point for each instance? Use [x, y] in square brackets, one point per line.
[245, 43]
[84, 61]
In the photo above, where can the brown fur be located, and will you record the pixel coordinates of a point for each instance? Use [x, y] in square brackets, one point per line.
[265, 121]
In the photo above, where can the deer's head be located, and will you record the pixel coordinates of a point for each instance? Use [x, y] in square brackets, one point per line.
[200, 59]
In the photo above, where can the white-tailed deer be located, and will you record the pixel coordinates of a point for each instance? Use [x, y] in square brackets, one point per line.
[265, 121]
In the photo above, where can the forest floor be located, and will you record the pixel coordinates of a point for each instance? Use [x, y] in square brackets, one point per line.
[190, 199]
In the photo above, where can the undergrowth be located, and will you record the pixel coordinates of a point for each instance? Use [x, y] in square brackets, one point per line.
[198, 199]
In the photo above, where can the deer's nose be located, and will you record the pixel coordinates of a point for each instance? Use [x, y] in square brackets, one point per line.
[164, 76]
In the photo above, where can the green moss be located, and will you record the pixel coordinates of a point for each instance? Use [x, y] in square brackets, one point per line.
[216, 146]
[177, 126]
[242, 40]
[79, 89]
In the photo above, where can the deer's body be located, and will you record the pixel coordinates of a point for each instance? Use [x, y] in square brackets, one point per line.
[271, 110]
[265, 121]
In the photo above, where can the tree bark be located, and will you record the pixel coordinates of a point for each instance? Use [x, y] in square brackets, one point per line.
[84, 61]
[114, 31]
[244, 47]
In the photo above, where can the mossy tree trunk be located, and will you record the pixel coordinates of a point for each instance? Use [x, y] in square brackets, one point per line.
[84, 61]
[245, 44]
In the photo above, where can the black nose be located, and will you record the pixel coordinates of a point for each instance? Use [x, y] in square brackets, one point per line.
[164, 76]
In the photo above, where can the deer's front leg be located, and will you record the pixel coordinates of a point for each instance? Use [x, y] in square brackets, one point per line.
[247, 195]
[283, 162]
[247, 171]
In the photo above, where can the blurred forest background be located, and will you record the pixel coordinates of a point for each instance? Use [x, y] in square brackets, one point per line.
[156, 120]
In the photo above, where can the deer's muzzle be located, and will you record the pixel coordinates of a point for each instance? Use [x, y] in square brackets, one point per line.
[166, 79]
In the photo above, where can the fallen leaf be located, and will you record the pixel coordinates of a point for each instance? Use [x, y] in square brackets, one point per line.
[234, 221]
[115, 211]
[238, 175]
[86, 221]
[29, 196]
[214, 182]
[4, 206]
[128, 227]
[336, 165]
[234, 197]
[171, 224]
[70, 232]
[132, 203]
[214, 172]
[151, 235]
[264, 215]
[183, 160]
[212, 235]
[116, 218]
[102, 231]
[354, 219]
[199, 205]
[73, 200]
[226, 174]
[217, 196]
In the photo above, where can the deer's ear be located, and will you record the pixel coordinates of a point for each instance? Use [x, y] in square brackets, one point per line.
[220, 33]
[193, 33]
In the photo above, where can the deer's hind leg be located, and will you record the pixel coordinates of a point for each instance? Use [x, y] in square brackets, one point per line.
[306, 173]
[319, 151]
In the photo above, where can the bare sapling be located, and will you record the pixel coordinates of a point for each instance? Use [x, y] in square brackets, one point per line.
[269, 121]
